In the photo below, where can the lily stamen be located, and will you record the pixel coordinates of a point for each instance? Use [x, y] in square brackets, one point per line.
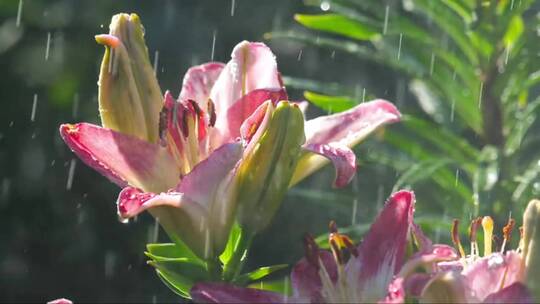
[487, 225]
[507, 233]
[475, 223]
[455, 238]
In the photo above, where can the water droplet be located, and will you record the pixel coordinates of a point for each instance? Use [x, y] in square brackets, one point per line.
[19, 13]
[480, 95]
[299, 55]
[48, 47]
[110, 261]
[34, 108]
[452, 110]
[232, 7]
[325, 6]
[386, 12]
[432, 64]
[71, 173]
[214, 34]
[399, 46]
[156, 58]
[457, 178]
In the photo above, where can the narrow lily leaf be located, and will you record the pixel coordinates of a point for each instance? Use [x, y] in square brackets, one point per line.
[171, 250]
[531, 174]
[122, 158]
[259, 273]
[330, 104]
[180, 267]
[178, 284]
[282, 286]
[227, 254]
[420, 172]
[338, 24]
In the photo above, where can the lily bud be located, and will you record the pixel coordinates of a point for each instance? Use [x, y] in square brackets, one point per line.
[130, 98]
[275, 139]
[531, 247]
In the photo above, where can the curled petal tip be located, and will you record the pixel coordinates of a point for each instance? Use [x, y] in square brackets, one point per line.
[389, 108]
[107, 40]
[403, 195]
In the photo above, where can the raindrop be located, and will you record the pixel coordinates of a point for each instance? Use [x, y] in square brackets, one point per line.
[480, 94]
[75, 107]
[110, 261]
[232, 8]
[363, 95]
[214, 34]
[71, 173]
[34, 108]
[207, 243]
[101, 25]
[325, 6]
[354, 210]
[154, 299]
[11, 123]
[19, 13]
[508, 48]
[6, 186]
[156, 58]
[285, 288]
[48, 47]
[457, 178]
[512, 5]
[53, 162]
[123, 220]
[452, 110]
[386, 12]
[333, 55]
[399, 46]
[299, 55]
[380, 198]
[432, 64]
[454, 75]
[153, 232]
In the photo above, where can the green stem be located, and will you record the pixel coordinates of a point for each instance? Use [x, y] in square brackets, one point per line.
[236, 263]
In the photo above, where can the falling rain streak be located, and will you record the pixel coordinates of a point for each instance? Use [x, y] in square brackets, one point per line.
[214, 34]
[71, 173]
[452, 110]
[75, 108]
[508, 49]
[399, 46]
[299, 56]
[156, 59]
[48, 47]
[432, 64]
[34, 108]
[19, 13]
[480, 94]
[232, 8]
[363, 95]
[386, 12]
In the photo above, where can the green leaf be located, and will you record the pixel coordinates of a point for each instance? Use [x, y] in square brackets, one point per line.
[338, 24]
[227, 254]
[419, 172]
[282, 286]
[514, 31]
[531, 175]
[180, 267]
[173, 250]
[330, 104]
[259, 273]
[178, 284]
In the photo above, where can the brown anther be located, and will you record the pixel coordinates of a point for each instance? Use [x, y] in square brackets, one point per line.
[475, 223]
[455, 232]
[332, 226]
[183, 111]
[211, 112]
[163, 125]
[311, 250]
[521, 232]
[349, 244]
[507, 230]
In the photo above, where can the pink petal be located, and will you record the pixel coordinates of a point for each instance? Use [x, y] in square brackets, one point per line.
[423, 242]
[343, 159]
[492, 273]
[428, 259]
[229, 122]
[415, 284]
[60, 301]
[223, 293]
[396, 292]
[121, 158]
[306, 280]
[252, 66]
[343, 129]
[382, 251]
[199, 81]
[351, 126]
[515, 293]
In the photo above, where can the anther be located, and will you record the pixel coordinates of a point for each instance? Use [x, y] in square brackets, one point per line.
[311, 250]
[487, 225]
[212, 112]
[455, 237]
[507, 232]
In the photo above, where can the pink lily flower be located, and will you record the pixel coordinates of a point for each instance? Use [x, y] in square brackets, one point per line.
[188, 161]
[494, 277]
[367, 276]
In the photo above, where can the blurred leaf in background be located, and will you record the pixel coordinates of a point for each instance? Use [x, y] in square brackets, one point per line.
[469, 142]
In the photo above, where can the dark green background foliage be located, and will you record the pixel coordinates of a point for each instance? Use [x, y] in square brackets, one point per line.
[59, 241]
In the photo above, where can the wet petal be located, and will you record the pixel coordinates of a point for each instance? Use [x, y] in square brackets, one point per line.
[396, 292]
[121, 158]
[515, 293]
[229, 122]
[381, 253]
[344, 129]
[306, 280]
[427, 259]
[489, 274]
[198, 82]
[342, 157]
[415, 284]
[252, 66]
[223, 293]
